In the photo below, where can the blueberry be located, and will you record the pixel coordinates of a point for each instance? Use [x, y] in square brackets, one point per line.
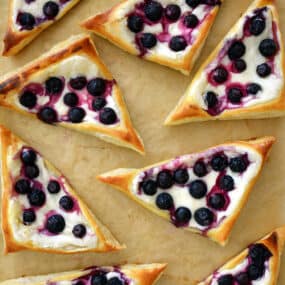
[96, 87]
[149, 187]
[51, 9]
[99, 103]
[70, 99]
[236, 50]
[235, 95]
[76, 115]
[108, 116]
[193, 3]
[178, 43]
[164, 179]
[53, 85]
[79, 282]
[191, 21]
[66, 203]
[53, 187]
[78, 83]
[32, 171]
[26, 20]
[259, 253]
[200, 169]
[217, 201]
[219, 162]
[22, 186]
[183, 215]
[98, 279]
[238, 164]
[256, 25]
[153, 10]
[226, 280]
[220, 75]
[181, 176]
[79, 231]
[114, 281]
[198, 189]
[172, 12]
[263, 70]
[240, 65]
[268, 48]
[28, 156]
[255, 272]
[135, 23]
[55, 224]
[211, 99]
[164, 201]
[47, 115]
[243, 279]
[253, 88]
[148, 40]
[227, 183]
[37, 197]
[28, 99]
[29, 216]
[204, 216]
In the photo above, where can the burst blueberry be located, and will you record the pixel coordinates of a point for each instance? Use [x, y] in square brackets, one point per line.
[78, 83]
[253, 88]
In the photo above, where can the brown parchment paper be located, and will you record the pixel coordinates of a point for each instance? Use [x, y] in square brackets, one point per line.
[150, 91]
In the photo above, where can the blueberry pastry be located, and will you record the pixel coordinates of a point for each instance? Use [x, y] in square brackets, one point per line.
[244, 76]
[71, 87]
[28, 18]
[258, 264]
[145, 274]
[171, 33]
[202, 192]
[40, 209]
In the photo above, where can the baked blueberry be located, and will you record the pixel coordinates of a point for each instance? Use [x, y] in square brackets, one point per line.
[99, 103]
[36, 197]
[114, 281]
[239, 65]
[259, 253]
[238, 164]
[263, 70]
[172, 12]
[164, 179]
[98, 279]
[220, 74]
[135, 23]
[26, 20]
[78, 83]
[70, 99]
[47, 115]
[76, 115]
[28, 156]
[181, 176]
[53, 187]
[55, 224]
[66, 203]
[211, 99]
[51, 9]
[148, 40]
[255, 272]
[108, 116]
[191, 21]
[198, 189]
[164, 201]
[253, 88]
[256, 25]
[79, 282]
[28, 99]
[22, 186]
[149, 187]
[227, 183]
[242, 279]
[268, 48]
[53, 85]
[226, 280]
[96, 87]
[182, 215]
[219, 162]
[200, 169]
[235, 95]
[79, 231]
[193, 3]
[32, 171]
[217, 201]
[29, 216]
[178, 43]
[204, 217]
[153, 10]
[236, 50]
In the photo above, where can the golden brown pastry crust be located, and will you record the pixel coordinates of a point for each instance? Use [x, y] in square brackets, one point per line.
[122, 179]
[124, 134]
[274, 242]
[187, 109]
[106, 25]
[106, 241]
[145, 274]
[16, 40]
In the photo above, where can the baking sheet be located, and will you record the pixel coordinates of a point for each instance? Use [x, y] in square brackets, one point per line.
[150, 91]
